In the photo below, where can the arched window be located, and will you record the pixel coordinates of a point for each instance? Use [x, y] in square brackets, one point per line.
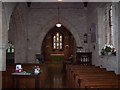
[111, 25]
[108, 25]
[57, 41]
[107, 30]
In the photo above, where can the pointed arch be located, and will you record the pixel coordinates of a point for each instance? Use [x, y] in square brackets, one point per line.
[51, 23]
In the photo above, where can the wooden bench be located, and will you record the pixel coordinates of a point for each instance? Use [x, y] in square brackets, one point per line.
[81, 76]
[71, 68]
[80, 80]
[76, 71]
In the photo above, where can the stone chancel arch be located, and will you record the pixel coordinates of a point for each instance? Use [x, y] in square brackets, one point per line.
[64, 23]
[41, 20]
[36, 25]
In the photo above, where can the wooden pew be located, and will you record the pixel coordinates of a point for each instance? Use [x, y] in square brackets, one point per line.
[89, 76]
[81, 80]
[71, 68]
[83, 70]
[100, 84]
[83, 75]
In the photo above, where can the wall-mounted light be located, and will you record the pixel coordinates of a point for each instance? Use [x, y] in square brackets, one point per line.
[85, 38]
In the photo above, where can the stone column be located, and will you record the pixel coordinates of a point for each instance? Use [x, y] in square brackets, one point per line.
[2, 38]
[0, 45]
[119, 38]
[0, 80]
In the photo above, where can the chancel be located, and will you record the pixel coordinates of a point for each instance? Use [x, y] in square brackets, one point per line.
[81, 52]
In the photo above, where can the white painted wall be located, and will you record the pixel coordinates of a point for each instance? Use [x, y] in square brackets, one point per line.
[0, 45]
[0, 36]
[108, 62]
[5, 13]
[8, 8]
[118, 38]
[41, 18]
[40, 21]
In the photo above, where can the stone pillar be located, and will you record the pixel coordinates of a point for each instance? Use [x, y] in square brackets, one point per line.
[0, 80]
[0, 35]
[118, 38]
[3, 39]
[0, 45]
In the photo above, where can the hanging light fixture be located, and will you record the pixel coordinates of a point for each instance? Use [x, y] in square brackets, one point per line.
[59, 0]
[58, 24]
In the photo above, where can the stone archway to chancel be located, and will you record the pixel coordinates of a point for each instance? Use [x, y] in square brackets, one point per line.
[70, 27]
[68, 47]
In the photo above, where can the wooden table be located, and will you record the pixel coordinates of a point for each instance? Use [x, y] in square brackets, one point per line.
[18, 76]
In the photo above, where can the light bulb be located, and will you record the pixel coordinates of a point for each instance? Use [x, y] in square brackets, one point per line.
[59, 0]
[58, 25]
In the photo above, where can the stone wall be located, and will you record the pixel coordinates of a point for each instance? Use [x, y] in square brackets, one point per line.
[92, 19]
[0, 80]
[119, 38]
[0, 36]
[32, 24]
[40, 18]
[0, 45]
[19, 35]
[95, 16]
[5, 14]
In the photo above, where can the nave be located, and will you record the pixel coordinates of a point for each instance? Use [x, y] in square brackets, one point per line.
[56, 77]
[74, 76]
[88, 29]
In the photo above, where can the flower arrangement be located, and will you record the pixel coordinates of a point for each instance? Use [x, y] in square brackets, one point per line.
[37, 70]
[19, 68]
[109, 50]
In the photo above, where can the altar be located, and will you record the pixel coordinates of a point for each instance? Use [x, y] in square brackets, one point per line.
[57, 57]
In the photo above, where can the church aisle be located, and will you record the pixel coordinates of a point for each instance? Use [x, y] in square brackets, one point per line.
[56, 77]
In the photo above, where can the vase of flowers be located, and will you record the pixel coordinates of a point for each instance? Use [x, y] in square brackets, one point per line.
[36, 70]
[108, 50]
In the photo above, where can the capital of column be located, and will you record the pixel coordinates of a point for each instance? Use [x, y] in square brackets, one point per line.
[3, 46]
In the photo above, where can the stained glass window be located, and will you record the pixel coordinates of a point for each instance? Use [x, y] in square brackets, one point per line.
[57, 41]
[111, 24]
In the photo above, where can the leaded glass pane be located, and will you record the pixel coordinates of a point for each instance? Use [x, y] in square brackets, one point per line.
[57, 41]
